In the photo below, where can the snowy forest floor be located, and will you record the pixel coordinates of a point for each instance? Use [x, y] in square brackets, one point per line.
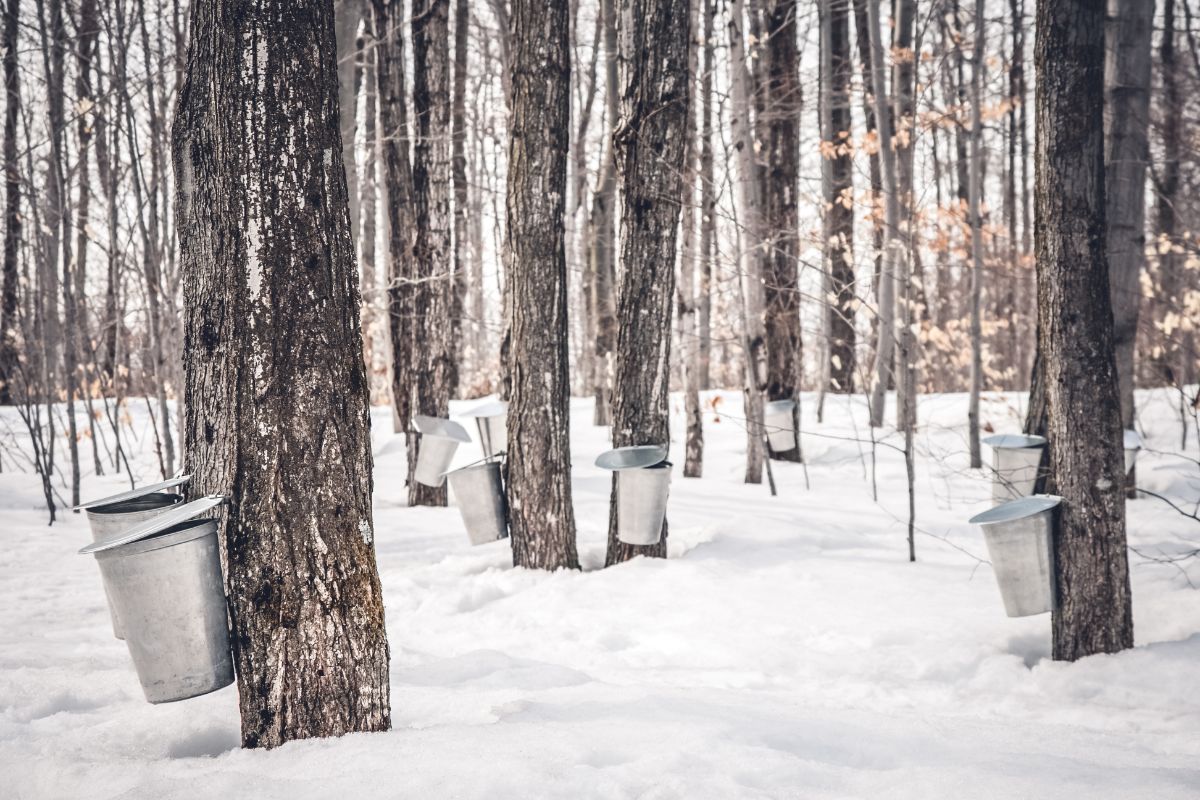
[785, 649]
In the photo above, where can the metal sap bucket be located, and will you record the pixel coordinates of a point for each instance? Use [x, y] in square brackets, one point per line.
[643, 485]
[780, 422]
[117, 513]
[479, 491]
[439, 439]
[492, 421]
[164, 579]
[1133, 443]
[1020, 543]
[1015, 461]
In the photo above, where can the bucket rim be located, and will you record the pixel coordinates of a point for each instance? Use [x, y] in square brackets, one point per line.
[1016, 509]
[156, 525]
[103, 511]
[1015, 441]
[490, 408]
[440, 428]
[1132, 440]
[488, 463]
[633, 457]
[131, 494]
[778, 406]
[181, 533]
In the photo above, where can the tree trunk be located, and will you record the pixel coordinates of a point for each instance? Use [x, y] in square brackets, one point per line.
[603, 224]
[785, 365]
[973, 211]
[893, 246]
[689, 351]
[9, 323]
[904, 139]
[708, 199]
[541, 518]
[1075, 328]
[1126, 117]
[750, 261]
[284, 431]
[347, 14]
[369, 215]
[1169, 367]
[650, 144]
[430, 352]
[863, 38]
[458, 125]
[839, 201]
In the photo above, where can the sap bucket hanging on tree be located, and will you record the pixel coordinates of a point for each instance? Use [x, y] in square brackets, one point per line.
[439, 439]
[164, 579]
[1020, 542]
[110, 516]
[1015, 460]
[492, 421]
[643, 484]
[479, 492]
[780, 421]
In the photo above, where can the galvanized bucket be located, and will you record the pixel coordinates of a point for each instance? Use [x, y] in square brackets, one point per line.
[110, 516]
[479, 491]
[1133, 443]
[643, 485]
[780, 422]
[439, 439]
[492, 421]
[164, 579]
[1015, 460]
[1020, 543]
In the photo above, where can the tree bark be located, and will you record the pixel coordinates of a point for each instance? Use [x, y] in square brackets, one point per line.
[432, 287]
[603, 225]
[976, 221]
[839, 200]
[708, 199]
[9, 324]
[650, 144]
[1126, 118]
[785, 365]
[458, 166]
[541, 518]
[689, 351]
[750, 260]
[1075, 329]
[275, 388]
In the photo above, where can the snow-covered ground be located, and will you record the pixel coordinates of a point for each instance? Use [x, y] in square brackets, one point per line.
[785, 649]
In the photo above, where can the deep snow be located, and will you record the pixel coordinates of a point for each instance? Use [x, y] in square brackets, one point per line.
[785, 649]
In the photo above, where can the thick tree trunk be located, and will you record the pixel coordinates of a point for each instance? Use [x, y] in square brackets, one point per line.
[1126, 118]
[750, 260]
[650, 144]
[430, 352]
[275, 390]
[839, 201]
[9, 324]
[1075, 328]
[785, 365]
[541, 518]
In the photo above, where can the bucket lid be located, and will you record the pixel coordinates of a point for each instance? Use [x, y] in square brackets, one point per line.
[1132, 440]
[149, 488]
[636, 457]
[1014, 441]
[492, 408]
[1017, 509]
[157, 524]
[441, 428]
[779, 406]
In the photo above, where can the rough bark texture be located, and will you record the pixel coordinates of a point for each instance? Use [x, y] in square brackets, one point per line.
[399, 216]
[1076, 332]
[458, 123]
[604, 219]
[650, 144]
[430, 355]
[782, 284]
[689, 350]
[976, 222]
[708, 199]
[275, 390]
[839, 203]
[1126, 118]
[542, 522]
